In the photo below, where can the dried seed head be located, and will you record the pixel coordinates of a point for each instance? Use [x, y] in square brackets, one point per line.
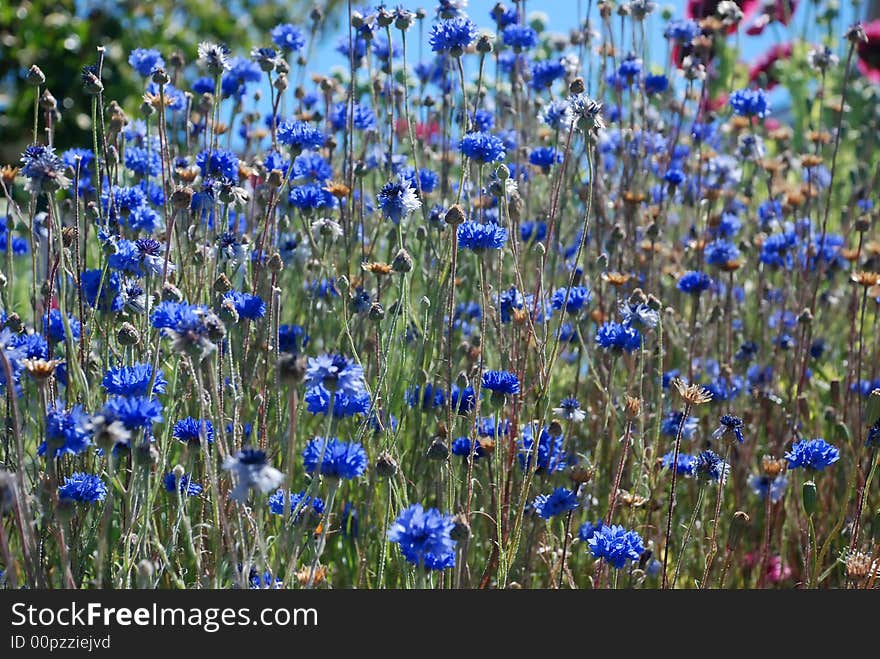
[7, 491]
[386, 466]
[633, 407]
[693, 394]
[402, 262]
[771, 466]
[182, 196]
[860, 566]
[455, 215]
[128, 335]
[222, 284]
[41, 369]
[291, 368]
[438, 450]
[580, 474]
[35, 76]
[461, 530]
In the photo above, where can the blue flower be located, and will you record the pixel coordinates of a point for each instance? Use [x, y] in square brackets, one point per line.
[292, 339]
[424, 537]
[218, 164]
[685, 463]
[300, 502]
[300, 136]
[337, 459]
[682, 30]
[560, 501]
[185, 485]
[54, 326]
[311, 197]
[397, 199]
[618, 338]
[750, 103]
[464, 445]
[44, 170]
[638, 315]
[730, 424]
[453, 36]
[545, 157]
[84, 488]
[133, 411]
[482, 147]
[550, 456]
[146, 60]
[478, 237]
[693, 282]
[66, 431]
[630, 67]
[246, 305]
[143, 161]
[710, 466]
[873, 440]
[669, 425]
[241, 71]
[616, 545]
[288, 37]
[814, 454]
[519, 37]
[762, 484]
[502, 382]
[425, 396]
[362, 117]
[189, 431]
[428, 180]
[95, 282]
[578, 298]
[721, 253]
[588, 529]
[335, 373]
[344, 404]
[252, 472]
[544, 74]
[133, 380]
[310, 165]
[656, 84]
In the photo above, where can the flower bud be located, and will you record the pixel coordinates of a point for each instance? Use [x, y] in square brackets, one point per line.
[810, 497]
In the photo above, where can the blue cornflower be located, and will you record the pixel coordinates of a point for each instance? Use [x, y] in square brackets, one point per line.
[630, 67]
[570, 410]
[424, 537]
[482, 147]
[397, 199]
[750, 103]
[616, 545]
[730, 424]
[545, 157]
[133, 380]
[674, 177]
[337, 459]
[246, 305]
[300, 503]
[428, 180]
[501, 382]
[300, 136]
[344, 404]
[425, 396]
[560, 501]
[96, 281]
[682, 30]
[146, 60]
[519, 37]
[453, 36]
[814, 454]
[335, 373]
[550, 456]
[214, 56]
[710, 466]
[292, 339]
[685, 463]
[721, 252]
[656, 84]
[218, 164]
[44, 170]
[578, 298]
[618, 338]
[66, 431]
[464, 445]
[30, 346]
[762, 484]
[241, 71]
[133, 412]
[190, 430]
[638, 315]
[310, 165]
[478, 237]
[54, 326]
[588, 529]
[84, 488]
[288, 37]
[532, 231]
[362, 117]
[544, 74]
[143, 161]
[185, 485]
[669, 425]
[252, 472]
[311, 197]
[463, 400]
[693, 282]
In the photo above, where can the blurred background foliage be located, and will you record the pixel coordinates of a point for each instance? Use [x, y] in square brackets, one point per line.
[61, 36]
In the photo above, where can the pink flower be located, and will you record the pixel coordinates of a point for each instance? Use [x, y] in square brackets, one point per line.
[869, 52]
[762, 72]
[776, 10]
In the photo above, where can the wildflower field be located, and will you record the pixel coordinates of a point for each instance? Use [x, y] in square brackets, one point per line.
[475, 305]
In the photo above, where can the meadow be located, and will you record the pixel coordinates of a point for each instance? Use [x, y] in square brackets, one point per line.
[486, 306]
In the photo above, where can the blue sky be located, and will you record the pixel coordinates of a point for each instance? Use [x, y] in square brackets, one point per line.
[562, 15]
